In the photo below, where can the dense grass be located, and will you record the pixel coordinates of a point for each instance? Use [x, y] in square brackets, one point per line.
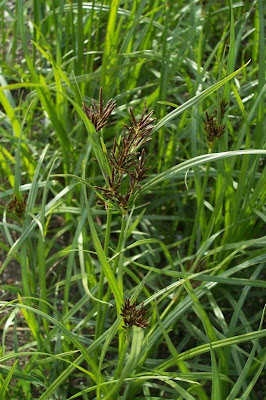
[190, 246]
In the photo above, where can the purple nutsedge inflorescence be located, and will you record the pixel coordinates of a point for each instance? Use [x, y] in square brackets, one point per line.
[133, 316]
[17, 206]
[99, 115]
[213, 128]
[127, 159]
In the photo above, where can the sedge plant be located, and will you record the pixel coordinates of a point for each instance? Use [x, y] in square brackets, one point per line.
[132, 241]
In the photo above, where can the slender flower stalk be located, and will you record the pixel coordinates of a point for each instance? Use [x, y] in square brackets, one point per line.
[132, 361]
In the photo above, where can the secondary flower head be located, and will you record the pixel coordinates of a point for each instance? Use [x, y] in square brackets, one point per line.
[133, 316]
[17, 206]
[213, 128]
[99, 115]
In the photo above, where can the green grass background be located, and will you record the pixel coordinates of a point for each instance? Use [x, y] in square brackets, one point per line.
[192, 246]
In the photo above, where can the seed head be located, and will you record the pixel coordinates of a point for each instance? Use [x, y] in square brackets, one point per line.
[99, 115]
[17, 206]
[128, 161]
[133, 316]
[213, 128]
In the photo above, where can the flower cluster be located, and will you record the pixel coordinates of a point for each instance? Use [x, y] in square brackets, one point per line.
[17, 206]
[99, 115]
[133, 316]
[214, 130]
[127, 158]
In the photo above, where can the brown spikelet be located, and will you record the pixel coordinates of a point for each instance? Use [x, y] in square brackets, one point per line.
[213, 128]
[127, 160]
[99, 115]
[17, 206]
[133, 316]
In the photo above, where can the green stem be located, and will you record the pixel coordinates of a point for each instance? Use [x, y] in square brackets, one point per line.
[134, 356]
[118, 263]
[108, 230]
[122, 357]
[118, 267]
[42, 281]
[199, 213]
[101, 309]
